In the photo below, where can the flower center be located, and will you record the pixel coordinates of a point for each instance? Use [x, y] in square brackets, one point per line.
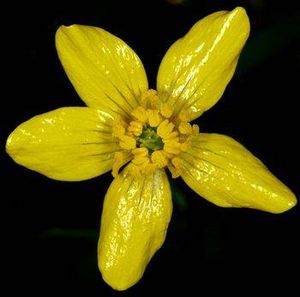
[149, 139]
[152, 138]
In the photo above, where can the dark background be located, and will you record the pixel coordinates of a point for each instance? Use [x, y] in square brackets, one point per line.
[51, 227]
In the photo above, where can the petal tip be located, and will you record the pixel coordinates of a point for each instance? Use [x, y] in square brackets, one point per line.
[117, 284]
[240, 14]
[287, 201]
[65, 27]
[64, 30]
[8, 146]
[12, 144]
[240, 10]
[115, 278]
[291, 202]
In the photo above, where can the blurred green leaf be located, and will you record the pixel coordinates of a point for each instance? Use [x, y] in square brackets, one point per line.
[267, 43]
[87, 234]
[179, 197]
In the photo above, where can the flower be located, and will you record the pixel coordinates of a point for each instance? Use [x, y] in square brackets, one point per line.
[127, 125]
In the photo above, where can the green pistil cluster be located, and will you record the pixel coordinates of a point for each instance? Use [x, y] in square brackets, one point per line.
[150, 139]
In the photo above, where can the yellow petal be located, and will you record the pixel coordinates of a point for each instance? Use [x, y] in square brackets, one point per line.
[221, 170]
[72, 143]
[104, 70]
[196, 69]
[134, 222]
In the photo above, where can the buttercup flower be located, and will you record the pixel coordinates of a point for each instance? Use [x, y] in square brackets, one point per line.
[138, 132]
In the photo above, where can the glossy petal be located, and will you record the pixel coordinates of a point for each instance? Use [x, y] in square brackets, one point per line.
[196, 69]
[134, 222]
[221, 170]
[71, 144]
[104, 70]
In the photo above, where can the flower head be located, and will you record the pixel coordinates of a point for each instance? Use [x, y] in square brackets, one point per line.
[127, 125]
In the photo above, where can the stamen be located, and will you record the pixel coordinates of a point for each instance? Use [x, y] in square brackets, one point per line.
[140, 114]
[159, 158]
[118, 128]
[185, 128]
[120, 159]
[127, 142]
[184, 115]
[166, 110]
[140, 161]
[196, 129]
[165, 128]
[140, 152]
[150, 99]
[175, 167]
[154, 117]
[172, 146]
[171, 135]
[153, 139]
[136, 128]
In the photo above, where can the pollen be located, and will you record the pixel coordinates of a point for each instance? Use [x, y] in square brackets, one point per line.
[152, 138]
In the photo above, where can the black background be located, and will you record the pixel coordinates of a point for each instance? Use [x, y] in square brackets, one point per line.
[51, 227]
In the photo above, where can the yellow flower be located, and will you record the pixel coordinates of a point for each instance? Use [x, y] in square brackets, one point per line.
[126, 123]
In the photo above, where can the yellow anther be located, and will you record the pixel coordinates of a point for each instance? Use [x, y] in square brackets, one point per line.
[127, 142]
[173, 135]
[134, 170]
[185, 128]
[174, 171]
[118, 131]
[166, 110]
[159, 158]
[172, 147]
[141, 164]
[120, 159]
[136, 128]
[141, 161]
[165, 128]
[175, 167]
[196, 129]
[185, 145]
[150, 168]
[184, 115]
[140, 114]
[118, 127]
[168, 155]
[177, 162]
[140, 151]
[154, 118]
[140, 156]
[149, 99]
[153, 102]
